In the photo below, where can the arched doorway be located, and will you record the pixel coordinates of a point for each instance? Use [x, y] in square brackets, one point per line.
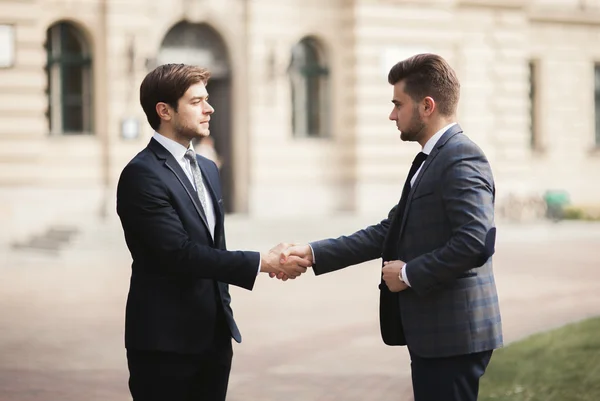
[201, 45]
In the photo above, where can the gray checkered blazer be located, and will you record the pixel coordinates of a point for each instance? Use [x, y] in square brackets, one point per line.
[446, 236]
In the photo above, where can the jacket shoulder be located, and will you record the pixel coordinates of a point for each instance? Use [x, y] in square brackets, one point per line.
[461, 144]
[139, 164]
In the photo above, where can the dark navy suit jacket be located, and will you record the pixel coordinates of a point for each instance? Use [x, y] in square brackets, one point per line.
[180, 275]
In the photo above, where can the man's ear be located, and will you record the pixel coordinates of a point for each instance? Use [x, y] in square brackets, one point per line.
[164, 111]
[428, 105]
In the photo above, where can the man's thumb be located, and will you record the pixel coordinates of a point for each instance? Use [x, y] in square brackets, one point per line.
[284, 255]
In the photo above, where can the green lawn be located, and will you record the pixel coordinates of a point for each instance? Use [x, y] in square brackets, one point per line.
[561, 365]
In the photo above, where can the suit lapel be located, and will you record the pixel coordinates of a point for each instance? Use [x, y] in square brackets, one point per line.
[210, 185]
[212, 182]
[455, 129]
[171, 164]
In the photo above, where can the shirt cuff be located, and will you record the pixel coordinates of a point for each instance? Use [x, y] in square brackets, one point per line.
[259, 264]
[314, 261]
[403, 275]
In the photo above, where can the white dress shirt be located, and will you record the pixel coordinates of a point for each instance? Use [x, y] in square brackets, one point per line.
[427, 150]
[178, 152]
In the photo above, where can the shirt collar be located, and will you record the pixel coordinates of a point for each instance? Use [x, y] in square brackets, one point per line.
[434, 139]
[175, 148]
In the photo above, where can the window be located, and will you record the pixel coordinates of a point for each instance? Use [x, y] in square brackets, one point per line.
[309, 78]
[534, 134]
[69, 75]
[597, 103]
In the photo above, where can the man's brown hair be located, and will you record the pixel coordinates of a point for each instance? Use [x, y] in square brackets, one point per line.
[428, 75]
[168, 83]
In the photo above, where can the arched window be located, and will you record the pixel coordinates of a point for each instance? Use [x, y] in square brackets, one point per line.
[69, 72]
[309, 78]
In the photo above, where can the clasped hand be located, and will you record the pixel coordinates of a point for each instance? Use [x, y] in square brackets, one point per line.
[285, 261]
[391, 275]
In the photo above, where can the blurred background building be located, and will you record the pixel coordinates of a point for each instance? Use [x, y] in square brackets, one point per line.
[301, 97]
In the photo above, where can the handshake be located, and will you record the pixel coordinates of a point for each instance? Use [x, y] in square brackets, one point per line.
[286, 261]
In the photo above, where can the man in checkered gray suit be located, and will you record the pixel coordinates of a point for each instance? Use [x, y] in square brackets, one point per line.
[438, 294]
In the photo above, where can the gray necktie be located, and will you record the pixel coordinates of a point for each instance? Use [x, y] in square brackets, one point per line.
[191, 156]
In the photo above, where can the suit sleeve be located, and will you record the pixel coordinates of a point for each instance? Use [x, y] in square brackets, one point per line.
[468, 199]
[148, 217]
[363, 245]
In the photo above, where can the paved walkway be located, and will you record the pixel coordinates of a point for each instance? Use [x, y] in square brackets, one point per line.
[312, 339]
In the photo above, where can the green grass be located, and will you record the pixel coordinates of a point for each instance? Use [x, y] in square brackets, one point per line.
[560, 365]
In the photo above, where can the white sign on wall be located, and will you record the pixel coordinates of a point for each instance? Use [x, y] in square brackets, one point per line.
[130, 128]
[7, 46]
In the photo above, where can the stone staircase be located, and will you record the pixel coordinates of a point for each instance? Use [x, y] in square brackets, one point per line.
[51, 240]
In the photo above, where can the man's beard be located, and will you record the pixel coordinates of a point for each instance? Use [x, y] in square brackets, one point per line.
[415, 128]
[188, 133]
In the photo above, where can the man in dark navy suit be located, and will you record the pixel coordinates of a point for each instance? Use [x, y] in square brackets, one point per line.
[179, 322]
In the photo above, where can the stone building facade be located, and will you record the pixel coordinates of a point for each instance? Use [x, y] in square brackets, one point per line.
[301, 96]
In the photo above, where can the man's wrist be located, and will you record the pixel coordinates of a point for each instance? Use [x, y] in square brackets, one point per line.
[265, 266]
[312, 254]
[403, 276]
